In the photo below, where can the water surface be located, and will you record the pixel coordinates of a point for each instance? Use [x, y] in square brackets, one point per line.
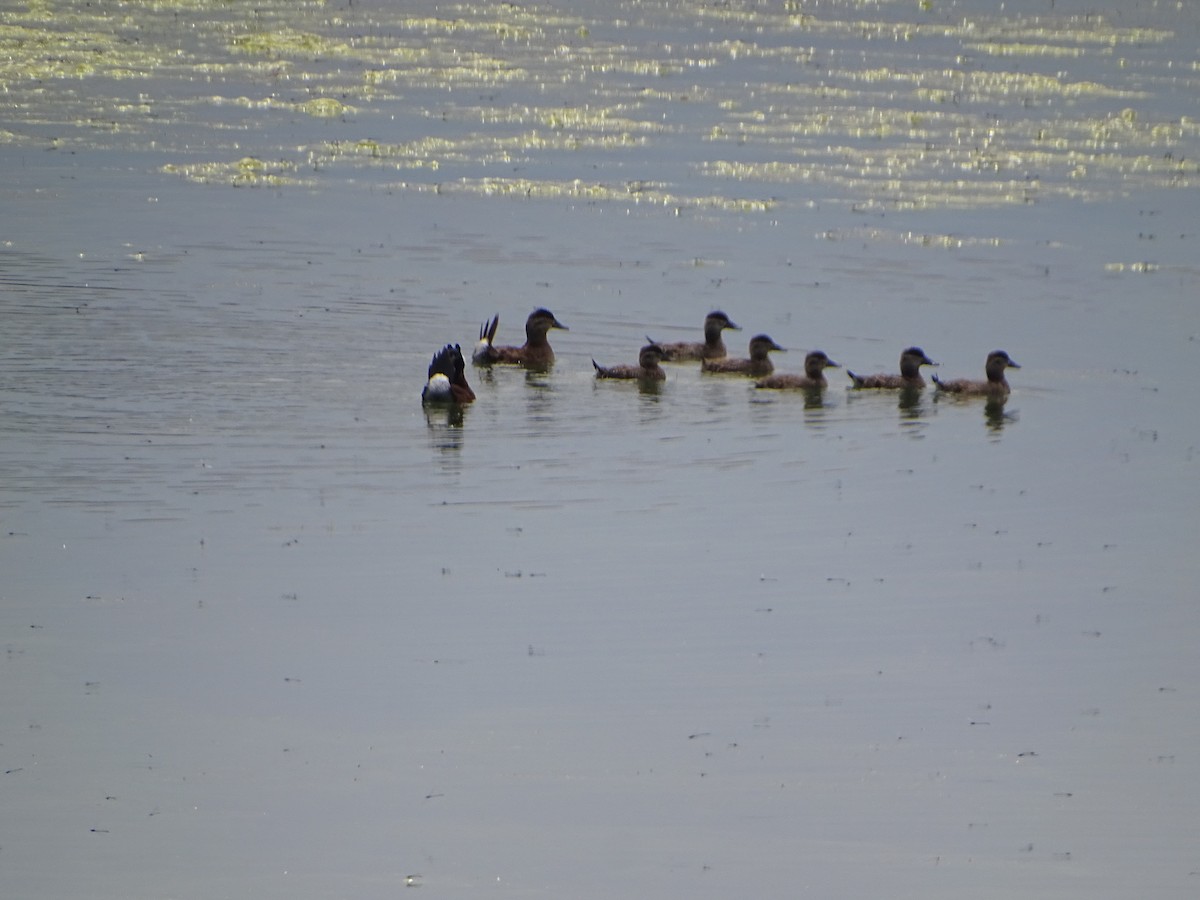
[270, 629]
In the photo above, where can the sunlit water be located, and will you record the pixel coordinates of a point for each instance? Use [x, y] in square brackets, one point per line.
[272, 630]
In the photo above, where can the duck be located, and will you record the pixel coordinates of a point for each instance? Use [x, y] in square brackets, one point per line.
[713, 346]
[647, 369]
[996, 385]
[536, 350]
[911, 361]
[447, 382]
[759, 364]
[813, 378]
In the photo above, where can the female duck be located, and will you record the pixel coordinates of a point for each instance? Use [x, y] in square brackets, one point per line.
[995, 387]
[647, 369]
[712, 348]
[447, 382]
[911, 361]
[813, 378]
[759, 364]
[535, 352]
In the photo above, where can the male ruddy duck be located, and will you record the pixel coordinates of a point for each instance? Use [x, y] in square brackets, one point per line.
[447, 382]
[712, 348]
[995, 387]
[813, 378]
[535, 352]
[911, 361]
[647, 369]
[758, 364]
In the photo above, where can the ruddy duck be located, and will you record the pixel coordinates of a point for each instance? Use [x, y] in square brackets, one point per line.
[758, 364]
[911, 361]
[813, 378]
[447, 382]
[647, 369]
[535, 352]
[712, 348]
[995, 387]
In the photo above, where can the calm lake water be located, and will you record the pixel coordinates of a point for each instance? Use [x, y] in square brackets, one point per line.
[270, 629]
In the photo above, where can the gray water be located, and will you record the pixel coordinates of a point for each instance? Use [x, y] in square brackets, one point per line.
[272, 630]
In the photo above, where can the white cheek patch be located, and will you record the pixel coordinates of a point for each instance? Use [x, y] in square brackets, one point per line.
[438, 387]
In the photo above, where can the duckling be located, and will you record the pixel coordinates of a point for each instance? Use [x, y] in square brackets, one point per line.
[758, 364]
[647, 369]
[995, 387]
[911, 361]
[536, 350]
[712, 348]
[447, 382]
[813, 378]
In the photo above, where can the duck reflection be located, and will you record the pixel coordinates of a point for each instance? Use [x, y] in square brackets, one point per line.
[539, 396]
[652, 390]
[817, 410]
[445, 425]
[814, 399]
[996, 416]
[816, 404]
[649, 402]
[910, 403]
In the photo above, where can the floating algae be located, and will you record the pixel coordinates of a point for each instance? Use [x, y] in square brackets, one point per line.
[738, 106]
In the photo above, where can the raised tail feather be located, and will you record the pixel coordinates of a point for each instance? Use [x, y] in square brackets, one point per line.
[487, 334]
[447, 361]
[487, 331]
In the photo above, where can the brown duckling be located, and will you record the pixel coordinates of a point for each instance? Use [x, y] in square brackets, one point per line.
[911, 361]
[447, 382]
[712, 348]
[758, 364]
[647, 369]
[536, 350]
[813, 378]
[996, 385]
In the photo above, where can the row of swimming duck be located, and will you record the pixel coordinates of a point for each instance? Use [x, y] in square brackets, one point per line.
[448, 381]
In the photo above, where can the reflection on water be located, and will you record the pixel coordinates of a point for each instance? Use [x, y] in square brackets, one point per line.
[651, 403]
[910, 403]
[650, 388]
[446, 427]
[814, 399]
[996, 415]
[540, 407]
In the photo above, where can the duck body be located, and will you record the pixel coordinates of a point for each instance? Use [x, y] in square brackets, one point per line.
[647, 369]
[759, 364]
[996, 385]
[713, 346]
[536, 350]
[910, 378]
[813, 378]
[447, 384]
